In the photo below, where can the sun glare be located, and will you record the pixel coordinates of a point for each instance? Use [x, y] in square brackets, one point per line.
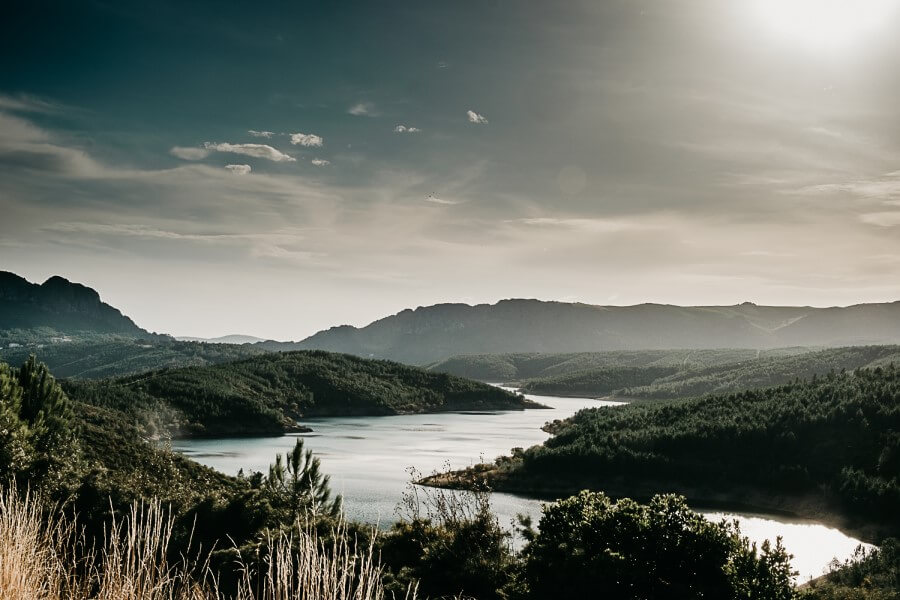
[825, 24]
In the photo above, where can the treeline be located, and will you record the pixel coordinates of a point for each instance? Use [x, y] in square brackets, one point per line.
[833, 441]
[269, 393]
[524, 366]
[661, 374]
[95, 356]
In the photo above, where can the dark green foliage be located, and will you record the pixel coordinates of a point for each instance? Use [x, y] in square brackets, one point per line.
[868, 575]
[298, 485]
[663, 374]
[38, 436]
[833, 438]
[268, 393]
[596, 382]
[449, 544]
[591, 547]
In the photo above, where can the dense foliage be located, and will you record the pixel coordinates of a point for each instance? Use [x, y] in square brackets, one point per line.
[833, 440]
[591, 547]
[268, 393]
[868, 575]
[663, 374]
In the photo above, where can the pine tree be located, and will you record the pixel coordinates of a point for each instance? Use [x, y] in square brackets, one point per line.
[299, 484]
[15, 449]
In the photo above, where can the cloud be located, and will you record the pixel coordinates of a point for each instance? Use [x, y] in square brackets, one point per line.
[239, 169]
[310, 140]
[262, 134]
[474, 117]
[587, 225]
[435, 200]
[405, 129]
[362, 109]
[26, 103]
[881, 219]
[320, 162]
[254, 150]
[189, 152]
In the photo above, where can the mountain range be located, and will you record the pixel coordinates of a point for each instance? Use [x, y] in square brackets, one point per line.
[433, 333]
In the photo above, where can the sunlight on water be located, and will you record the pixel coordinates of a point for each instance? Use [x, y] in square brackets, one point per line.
[368, 459]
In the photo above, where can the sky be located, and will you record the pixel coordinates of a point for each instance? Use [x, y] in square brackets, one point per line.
[275, 168]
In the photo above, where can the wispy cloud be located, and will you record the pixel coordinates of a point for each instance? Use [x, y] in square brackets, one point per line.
[239, 169]
[310, 140]
[443, 201]
[476, 118]
[589, 225]
[406, 129]
[362, 109]
[882, 219]
[261, 134]
[189, 152]
[320, 162]
[254, 150]
[26, 103]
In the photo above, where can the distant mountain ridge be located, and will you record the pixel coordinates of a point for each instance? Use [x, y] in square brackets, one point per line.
[433, 333]
[61, 305]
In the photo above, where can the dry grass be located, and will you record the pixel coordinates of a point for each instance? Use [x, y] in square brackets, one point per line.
[43, 558]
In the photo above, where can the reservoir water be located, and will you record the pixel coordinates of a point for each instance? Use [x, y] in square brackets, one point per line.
[368, 459]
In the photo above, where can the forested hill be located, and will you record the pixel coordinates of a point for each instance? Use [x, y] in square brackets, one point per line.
[827, 446]
[661, 374]
[429, 334]
[98, 356]
[268, 393]
[60, 305]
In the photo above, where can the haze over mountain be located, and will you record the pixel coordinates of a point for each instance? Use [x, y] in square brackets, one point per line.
[223, 339]
[432, 333]
[61, 305]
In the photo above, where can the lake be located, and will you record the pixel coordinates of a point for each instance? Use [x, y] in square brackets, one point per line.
[368, 459]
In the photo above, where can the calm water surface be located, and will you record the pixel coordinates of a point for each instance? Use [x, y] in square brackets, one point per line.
[368, 459]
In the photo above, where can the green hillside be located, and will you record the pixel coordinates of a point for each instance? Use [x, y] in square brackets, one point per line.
[268, 393]
[830, 446]
[660, 374]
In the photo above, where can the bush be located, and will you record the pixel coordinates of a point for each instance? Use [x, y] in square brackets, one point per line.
[590, 546]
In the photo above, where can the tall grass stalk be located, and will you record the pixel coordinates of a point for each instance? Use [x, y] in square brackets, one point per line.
[43, 557]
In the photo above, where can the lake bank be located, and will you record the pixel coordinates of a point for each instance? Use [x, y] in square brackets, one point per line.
[368, 461]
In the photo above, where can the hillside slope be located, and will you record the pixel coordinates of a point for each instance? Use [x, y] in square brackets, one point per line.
[429, 334]
[269, 393]
[825, 447]
[98, 356]
[662, 374]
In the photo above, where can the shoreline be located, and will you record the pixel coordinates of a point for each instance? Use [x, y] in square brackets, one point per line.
[803, 507]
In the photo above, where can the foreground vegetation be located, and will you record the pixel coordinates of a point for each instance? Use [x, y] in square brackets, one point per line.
[267, 394]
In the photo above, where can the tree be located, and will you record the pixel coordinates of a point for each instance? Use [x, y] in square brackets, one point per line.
[590, 546]
[15, 448]
[299, 485]
[47, 412]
